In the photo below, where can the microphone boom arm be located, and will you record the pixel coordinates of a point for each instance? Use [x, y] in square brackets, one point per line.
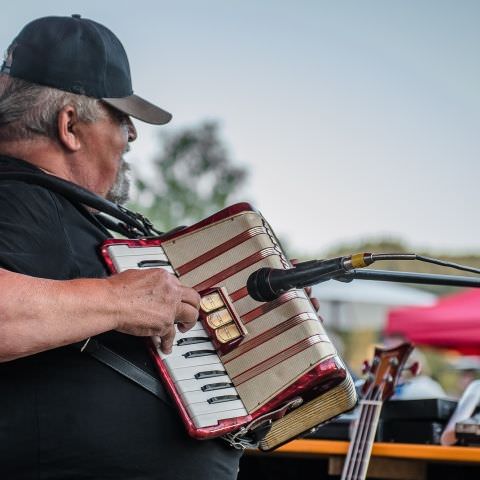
[266, 284]
[409, 277]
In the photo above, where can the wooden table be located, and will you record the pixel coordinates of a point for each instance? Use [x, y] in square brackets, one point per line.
[389, 460]
[410, 451]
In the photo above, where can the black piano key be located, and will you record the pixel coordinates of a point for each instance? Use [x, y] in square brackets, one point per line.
[153, 263]
[210, 374]
[192, 340]
[199, 353]
[223, 398]
[216, 386]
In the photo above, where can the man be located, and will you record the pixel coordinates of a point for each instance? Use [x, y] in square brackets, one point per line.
[65, 106]
[31, 307]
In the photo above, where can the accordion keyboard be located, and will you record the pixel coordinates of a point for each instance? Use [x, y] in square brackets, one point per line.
[206, 390]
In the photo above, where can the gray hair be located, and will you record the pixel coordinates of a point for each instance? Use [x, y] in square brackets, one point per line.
[28, 109]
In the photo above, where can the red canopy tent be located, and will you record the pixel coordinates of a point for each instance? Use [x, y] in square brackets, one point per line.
[453, 322]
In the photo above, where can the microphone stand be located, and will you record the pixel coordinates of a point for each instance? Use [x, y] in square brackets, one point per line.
[409, 277]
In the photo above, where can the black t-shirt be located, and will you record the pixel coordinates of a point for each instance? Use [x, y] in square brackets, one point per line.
[63, 414]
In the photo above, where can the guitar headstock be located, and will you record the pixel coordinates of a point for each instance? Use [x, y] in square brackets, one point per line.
[384, 371]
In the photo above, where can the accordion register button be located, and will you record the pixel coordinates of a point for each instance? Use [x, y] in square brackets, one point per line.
[227, 333]
[211, 302]
[219, 318]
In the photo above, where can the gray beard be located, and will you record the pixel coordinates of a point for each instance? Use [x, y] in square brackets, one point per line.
[120, 190]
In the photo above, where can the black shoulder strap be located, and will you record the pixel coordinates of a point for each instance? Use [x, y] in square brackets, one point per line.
[133, 225]
[124, 367]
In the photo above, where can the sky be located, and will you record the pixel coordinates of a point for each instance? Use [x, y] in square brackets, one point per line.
[356, 119]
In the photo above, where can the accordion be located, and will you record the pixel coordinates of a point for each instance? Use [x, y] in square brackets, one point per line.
[253, 373]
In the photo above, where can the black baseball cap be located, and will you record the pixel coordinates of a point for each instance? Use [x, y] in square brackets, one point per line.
[80, 56]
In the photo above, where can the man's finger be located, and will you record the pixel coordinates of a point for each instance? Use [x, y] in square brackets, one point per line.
[167, 340]
[186, 315]
[190, 296]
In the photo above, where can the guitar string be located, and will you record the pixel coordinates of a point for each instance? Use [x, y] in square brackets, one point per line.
[361, 435]
[362, 425]
[368, 434]
[354, 446]
[361, 465]
[353, 450]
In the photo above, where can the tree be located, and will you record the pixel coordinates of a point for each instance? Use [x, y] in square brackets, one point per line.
[193, 177]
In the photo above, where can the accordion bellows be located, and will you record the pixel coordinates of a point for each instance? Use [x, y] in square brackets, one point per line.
[285, 352]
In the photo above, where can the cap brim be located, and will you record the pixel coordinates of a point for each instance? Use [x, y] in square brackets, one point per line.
[139, 108]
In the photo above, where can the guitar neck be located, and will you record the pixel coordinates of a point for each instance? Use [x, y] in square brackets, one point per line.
[358, 457]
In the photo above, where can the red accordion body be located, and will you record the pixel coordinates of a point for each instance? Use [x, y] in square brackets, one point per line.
[246, 362]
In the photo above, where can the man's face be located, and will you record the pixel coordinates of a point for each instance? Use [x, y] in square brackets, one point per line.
[120, 190]
[106, 141]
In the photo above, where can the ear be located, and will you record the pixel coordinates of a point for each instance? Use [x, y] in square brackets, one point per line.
[68, 128]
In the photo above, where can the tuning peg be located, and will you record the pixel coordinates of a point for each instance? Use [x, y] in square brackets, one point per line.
[365, 366]
[415, 368]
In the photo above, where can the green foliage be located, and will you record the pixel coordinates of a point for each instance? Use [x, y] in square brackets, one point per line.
[192, 177]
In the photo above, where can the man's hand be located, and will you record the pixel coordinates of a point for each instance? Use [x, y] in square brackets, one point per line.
[151, 301]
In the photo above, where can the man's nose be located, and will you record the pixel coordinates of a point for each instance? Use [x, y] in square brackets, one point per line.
[132, 131]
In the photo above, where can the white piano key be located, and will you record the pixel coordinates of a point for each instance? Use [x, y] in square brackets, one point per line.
[191, 340]
[125, 257]
[196, 331]
[183, 349]
[191, 398]
[132, 262]
[196, 384]
[211, 419]
[198, 326]
[182, 369]
[176, 359]
[125, 250]
[201, 408]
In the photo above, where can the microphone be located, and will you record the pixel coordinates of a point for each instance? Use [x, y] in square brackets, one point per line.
[267, 284]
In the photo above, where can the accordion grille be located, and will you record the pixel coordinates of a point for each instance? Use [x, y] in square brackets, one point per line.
[225, 253]
[324, 407]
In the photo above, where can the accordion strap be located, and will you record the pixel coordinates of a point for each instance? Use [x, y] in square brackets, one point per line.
[132, 225]
[123, 366]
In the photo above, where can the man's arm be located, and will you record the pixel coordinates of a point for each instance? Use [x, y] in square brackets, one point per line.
[38, 314]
